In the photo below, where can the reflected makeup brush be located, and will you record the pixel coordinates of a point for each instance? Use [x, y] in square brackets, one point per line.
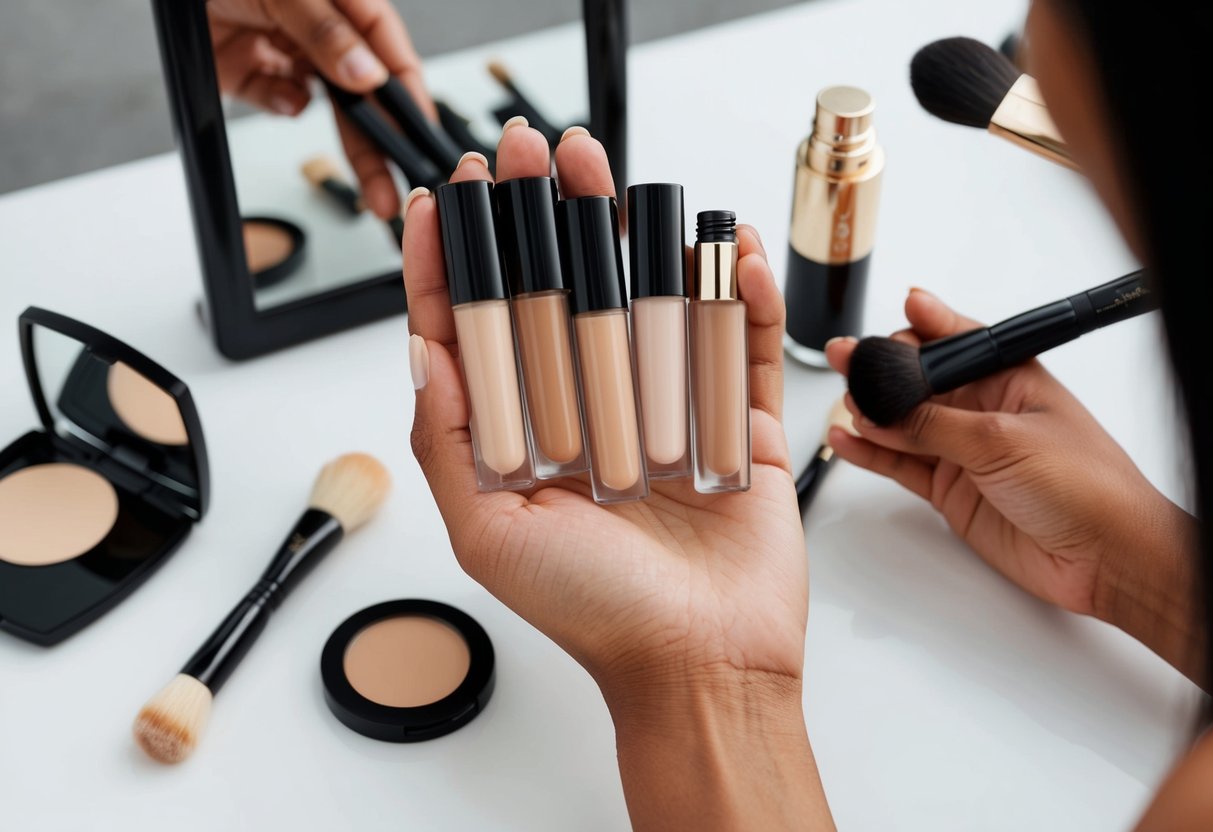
[963, 81]
[416, 167]
[890, 378]
[347, 492]
[814, 474]
[432, 140]
[324, 173]
[460, 129]
[521, 105]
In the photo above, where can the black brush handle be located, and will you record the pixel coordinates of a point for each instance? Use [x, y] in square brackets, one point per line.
[343, 194]
[811, 477]
[953, 362]
[417, 169]
[314, 536]
[459, 129]
[428, 136]
[520, 105]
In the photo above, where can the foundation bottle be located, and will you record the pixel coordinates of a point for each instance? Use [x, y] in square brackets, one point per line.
[657, 247]
[526, 237]
[590, 258]
[486, 336]
[720, 362]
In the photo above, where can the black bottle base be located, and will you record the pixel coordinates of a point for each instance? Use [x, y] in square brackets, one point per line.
[823, 302]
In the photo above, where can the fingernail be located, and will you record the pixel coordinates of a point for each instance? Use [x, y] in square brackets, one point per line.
[575, 130]
[841, 339]
[360, 66]
[470, 156]
[920, 290]
[282, 106]
[413, 194]
[419, 361]
[516, 121]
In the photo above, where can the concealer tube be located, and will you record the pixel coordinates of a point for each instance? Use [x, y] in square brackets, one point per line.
[592, 263]
[526, 236]
[838, 170]
[486, 336]
[659, 325]
[720, 361]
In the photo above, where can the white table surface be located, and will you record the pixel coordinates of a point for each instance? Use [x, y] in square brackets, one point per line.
[938, 696]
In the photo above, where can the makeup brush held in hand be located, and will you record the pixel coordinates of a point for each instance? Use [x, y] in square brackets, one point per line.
[963, 81]
[348, 491]
[889, 378]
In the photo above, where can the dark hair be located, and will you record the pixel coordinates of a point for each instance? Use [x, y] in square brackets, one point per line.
[1150, 67]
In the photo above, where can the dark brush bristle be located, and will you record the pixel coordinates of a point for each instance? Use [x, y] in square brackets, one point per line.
[886, 379]
[961, 80]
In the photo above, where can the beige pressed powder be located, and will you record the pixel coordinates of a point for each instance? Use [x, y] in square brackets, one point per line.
[407, 661]
[146, 409]
[265, 245]
[54, 512]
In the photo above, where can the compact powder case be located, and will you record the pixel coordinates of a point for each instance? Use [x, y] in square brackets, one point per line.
[405, 671]
[273, 249]
[109, 487]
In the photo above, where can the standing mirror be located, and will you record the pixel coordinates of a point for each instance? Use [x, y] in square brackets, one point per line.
[289, 247]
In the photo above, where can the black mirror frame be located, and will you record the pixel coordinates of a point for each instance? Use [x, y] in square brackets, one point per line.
[237, 327]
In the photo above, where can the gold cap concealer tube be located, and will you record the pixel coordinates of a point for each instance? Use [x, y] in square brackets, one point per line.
[526, 237]
[486, 336]
[657, 247]
[720, 361]
[592, 263]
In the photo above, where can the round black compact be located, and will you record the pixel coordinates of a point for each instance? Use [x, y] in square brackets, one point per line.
[273, 249]
[406, 671]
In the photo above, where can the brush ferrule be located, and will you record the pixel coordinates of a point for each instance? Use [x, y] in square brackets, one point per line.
[1023, 119]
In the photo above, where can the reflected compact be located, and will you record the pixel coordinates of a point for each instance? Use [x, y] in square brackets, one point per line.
[95, 500]
[405, 671]
[273, 249]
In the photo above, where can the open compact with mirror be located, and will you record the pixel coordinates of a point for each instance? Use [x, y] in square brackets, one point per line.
[110, 485]
[288, 249]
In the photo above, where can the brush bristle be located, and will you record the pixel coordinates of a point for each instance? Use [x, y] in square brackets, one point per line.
[886, 379]
[351, 488]
[171, 723]
[498, 71]
[319, 168]
[961, 80]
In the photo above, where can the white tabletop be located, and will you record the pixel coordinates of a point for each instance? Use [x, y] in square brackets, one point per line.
[938, 696]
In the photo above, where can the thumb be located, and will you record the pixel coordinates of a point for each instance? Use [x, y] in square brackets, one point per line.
[331, 43]
[440, 438]
[979, 442]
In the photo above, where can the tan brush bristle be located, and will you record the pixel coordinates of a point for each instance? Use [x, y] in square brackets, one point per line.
[839, 417]
[351, 488]
[498, 71]
[171, 723]
[319, 168]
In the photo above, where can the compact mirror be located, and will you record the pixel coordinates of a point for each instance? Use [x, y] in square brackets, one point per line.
[290, 248]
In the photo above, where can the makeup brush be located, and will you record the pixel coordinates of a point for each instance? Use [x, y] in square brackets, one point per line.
[460, 129]
[324, 173]
[432, 140]
[348, 491]
[963, 81]
[416, 166]
[521, 105]
[811, 477]
[889, 378]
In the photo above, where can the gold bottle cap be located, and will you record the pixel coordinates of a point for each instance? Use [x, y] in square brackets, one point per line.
[844, 115]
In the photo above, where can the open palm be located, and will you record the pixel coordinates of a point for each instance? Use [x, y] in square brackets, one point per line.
[641, 592]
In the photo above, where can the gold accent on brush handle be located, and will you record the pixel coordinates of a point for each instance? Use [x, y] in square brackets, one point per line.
[1023, 119]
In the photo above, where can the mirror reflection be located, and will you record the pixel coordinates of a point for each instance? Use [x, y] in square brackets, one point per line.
[320, 173]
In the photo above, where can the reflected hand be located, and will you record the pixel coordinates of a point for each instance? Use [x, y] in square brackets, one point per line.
[267, 50]
[1024, 474]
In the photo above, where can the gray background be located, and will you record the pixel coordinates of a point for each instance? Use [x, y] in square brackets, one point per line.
[80, 84]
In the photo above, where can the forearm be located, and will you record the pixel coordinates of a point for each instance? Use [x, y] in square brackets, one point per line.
[730, 754]
[1149, 590]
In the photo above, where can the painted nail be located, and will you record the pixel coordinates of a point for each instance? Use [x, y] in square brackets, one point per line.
[914, 289]
[575, 130]
[516, 121]
[360, 66]
[472, 156]
[413, 194]
[282, 106]
[419, 361]
[842, 339]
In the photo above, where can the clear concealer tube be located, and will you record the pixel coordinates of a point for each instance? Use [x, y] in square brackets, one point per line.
[526, 237]
[720, 362]
[659, 325]
[592, 263]
[485, 332]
